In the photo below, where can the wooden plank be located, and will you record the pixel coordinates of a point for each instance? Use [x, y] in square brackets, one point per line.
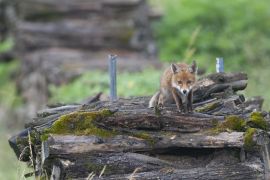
[60, 145]
[232, 172]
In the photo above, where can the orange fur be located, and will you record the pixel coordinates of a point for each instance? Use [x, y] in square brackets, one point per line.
[176, 86]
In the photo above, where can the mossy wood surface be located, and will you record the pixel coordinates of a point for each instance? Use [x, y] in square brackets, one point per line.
[223, 138]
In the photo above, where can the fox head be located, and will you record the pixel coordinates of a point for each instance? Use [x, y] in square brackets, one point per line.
[184, 77]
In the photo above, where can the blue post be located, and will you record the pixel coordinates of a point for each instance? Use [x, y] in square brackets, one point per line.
[112, 71]
[219, 64]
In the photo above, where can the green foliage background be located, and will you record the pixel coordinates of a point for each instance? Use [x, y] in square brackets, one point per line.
[237, 30]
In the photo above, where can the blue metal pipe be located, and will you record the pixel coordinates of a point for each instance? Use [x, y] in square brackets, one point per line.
[219, 64]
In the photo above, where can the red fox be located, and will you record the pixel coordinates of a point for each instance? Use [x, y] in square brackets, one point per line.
[176, 86]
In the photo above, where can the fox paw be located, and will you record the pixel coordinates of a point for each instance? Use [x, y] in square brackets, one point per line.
[160, 106]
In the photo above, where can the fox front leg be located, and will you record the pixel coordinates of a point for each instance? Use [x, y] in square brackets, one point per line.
[161, 100]
[190, 102]
[178, 101]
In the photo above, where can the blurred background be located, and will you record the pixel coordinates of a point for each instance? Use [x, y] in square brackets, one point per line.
[56, 51]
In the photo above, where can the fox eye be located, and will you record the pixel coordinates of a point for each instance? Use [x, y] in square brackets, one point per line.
[180, 82]
[189, 82]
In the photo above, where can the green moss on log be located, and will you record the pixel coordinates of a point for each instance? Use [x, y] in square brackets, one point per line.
[208, 107]
[257, 120]
[249, 143]
[44, 136]
[232, 123]
[146, 136]
[80, 123]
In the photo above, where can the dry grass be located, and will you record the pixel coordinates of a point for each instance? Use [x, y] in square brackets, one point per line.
[10, 167]
[132, 176]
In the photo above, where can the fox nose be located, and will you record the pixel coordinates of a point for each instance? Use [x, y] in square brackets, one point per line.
[184, 91]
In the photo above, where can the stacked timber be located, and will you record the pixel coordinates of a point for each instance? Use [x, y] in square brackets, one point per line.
[6, 22]
[225, 138]
[59, 40]
[3, 20]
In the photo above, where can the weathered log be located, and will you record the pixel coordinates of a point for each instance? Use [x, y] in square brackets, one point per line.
[92, 99]
[125, 163]
[219, 82]
[233, 172]
[44, 10]
[116, 163]
[3, 21]
[62, 145]
[254, 103]
[82, 155]
[133, 114]
[7, 19]
[60, 24]
[6, 56]
[73, 33]
[60, 109]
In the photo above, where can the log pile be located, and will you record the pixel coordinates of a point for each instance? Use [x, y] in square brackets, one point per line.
[3, 21]
[225, 138]
[6, 22]
[60, 40]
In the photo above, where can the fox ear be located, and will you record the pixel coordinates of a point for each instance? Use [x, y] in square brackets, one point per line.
[173, 68]
[193, 67]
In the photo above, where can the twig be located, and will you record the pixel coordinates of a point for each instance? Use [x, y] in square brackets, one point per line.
[31, 153]
[131, 177]
[102, 172]
[90, 176]
[20, 158]
[22, 175]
